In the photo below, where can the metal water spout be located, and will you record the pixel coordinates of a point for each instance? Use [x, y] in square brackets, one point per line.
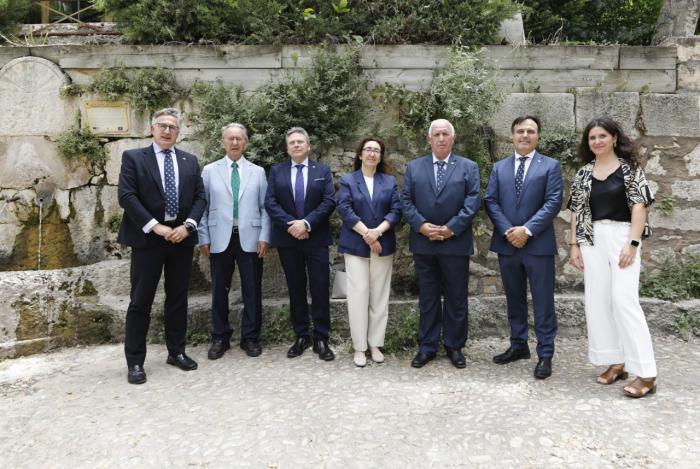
[44, 196]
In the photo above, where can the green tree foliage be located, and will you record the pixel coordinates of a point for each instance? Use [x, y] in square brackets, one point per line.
[599, 21]
[310, 21]
[12, 15]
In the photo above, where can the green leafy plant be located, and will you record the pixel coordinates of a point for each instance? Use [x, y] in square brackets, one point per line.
[146, 89]
[114, 223]
[674, 280]
[328, 100]
[71, 91]
[687, 325]
[464, 92]
[665, 206]
[562, 145]
[402, 333]
[12, 15]
[79, 143]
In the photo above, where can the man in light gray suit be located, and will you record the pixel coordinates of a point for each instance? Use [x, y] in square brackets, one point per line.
[235, 229]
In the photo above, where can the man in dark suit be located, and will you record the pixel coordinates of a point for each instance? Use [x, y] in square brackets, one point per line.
[161, 192]
[235, 229]
[300, 199]
[440, 199]
[523, 196]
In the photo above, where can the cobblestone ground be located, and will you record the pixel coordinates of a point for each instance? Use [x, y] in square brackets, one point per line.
[74, 408]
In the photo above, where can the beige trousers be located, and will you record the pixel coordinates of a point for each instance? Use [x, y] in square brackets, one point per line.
[369, 285]
[617, 328]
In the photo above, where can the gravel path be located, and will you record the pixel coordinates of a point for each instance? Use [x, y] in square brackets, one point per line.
[74, 408]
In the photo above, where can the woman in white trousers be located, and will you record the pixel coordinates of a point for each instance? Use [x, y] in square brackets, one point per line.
[609, 197]
[368, 202]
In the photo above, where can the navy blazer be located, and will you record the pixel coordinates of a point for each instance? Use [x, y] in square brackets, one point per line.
[455, 205]
[355, 204]
[142, 197]
[540, 201]
[319, 203]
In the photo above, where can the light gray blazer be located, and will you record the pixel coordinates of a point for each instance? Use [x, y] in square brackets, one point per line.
[217, 222]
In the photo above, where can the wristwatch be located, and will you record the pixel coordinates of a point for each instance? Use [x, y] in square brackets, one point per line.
[191, 228]
[634, 242]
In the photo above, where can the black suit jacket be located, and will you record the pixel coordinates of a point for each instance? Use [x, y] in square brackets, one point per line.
[142, 198]
[319, 203]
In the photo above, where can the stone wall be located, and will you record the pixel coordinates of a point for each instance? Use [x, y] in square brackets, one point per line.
[653, 91]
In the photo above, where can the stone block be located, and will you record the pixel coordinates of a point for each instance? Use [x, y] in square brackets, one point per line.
[647, 58]
[692, 161]
[684, 219]
[563, 81]
[543, 59]
[24, 161]
[555, 110]
[689, 77]
[671, 115]
[653, 166]
[114, 152]
[30, 98]
[512, 31]
[622, 107]
[688, 48]
[10, 53]
[688, 190]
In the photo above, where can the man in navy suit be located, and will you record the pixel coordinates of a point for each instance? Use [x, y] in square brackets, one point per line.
[523, 196]
[440, 199]
[161, 192]
[300, 199]
[235, 229]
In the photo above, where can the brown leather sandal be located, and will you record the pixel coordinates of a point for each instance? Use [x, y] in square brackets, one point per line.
[612, 374]
[640, 387]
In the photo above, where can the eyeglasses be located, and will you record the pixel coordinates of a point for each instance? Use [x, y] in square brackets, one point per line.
[164, 127]
[376, 151]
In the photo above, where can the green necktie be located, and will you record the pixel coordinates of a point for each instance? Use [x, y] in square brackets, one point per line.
[235, 185]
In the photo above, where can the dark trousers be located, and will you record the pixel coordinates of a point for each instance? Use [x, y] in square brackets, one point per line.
[250, 269]
[146, 267]
[297, 262]
[448, 276]
[516, 271]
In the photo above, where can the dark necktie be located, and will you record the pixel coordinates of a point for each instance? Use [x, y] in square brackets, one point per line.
[170, 188]
[519, 174]
[235, 186]
[440, 174]
[299, 191]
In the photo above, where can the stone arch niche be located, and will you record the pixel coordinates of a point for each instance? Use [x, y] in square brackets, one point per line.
[32, 115]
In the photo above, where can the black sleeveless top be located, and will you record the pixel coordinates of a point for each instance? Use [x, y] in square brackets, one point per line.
[608, 199]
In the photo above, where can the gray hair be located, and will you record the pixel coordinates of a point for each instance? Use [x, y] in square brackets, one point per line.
[168, 111]
[234, 125]
[297, 130]
[440, 121]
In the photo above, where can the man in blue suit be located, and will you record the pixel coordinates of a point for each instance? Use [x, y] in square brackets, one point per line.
[523, 196]
[300, 199]
[161, 192]
[440, 199]
[235, 229]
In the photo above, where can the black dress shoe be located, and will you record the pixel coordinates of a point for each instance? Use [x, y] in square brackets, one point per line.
[298, 347]
[544, 368]
[511, 355]
[323, 350]
[136, 375]
[182, 361]
[218, 348]
[252, 347]
[456, 357]
[421, 359]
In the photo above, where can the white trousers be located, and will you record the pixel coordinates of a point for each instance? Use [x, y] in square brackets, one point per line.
[369, 285]
[617, 328]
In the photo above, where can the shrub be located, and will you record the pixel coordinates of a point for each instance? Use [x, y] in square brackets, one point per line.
[561, 145]
[147, 89]
[12, 15]
[674, 280]
[78, 143]
[611, 21]
[464, 92]
[327, 100]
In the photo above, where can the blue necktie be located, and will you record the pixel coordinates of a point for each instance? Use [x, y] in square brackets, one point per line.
[299, 191]
[440, 174]
[519, 177]
[170, 188]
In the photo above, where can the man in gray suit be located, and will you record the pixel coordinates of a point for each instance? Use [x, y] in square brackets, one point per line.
[235, 229]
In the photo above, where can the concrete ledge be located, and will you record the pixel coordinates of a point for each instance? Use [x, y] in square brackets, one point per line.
[671, 115]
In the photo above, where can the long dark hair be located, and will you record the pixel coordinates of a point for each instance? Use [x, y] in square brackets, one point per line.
[624, 147]
[383, 166]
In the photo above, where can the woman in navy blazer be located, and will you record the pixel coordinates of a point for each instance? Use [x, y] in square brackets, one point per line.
[368, 202]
